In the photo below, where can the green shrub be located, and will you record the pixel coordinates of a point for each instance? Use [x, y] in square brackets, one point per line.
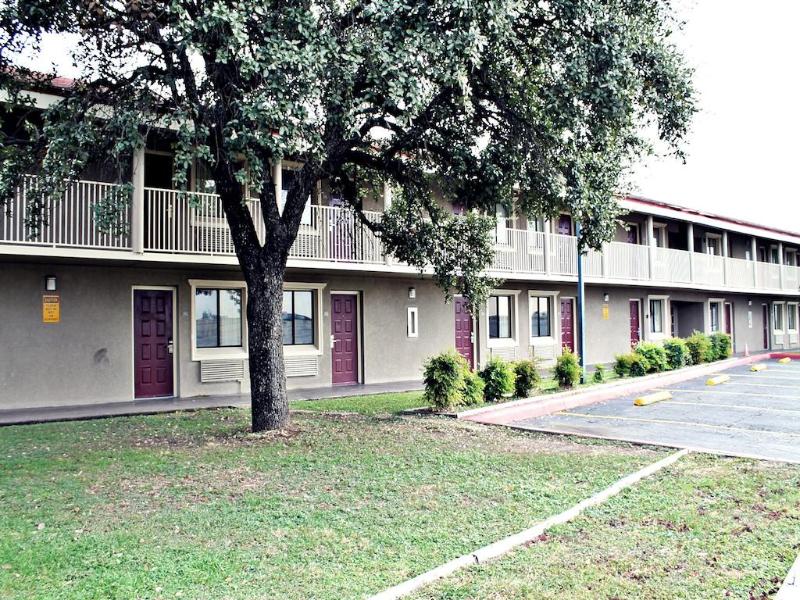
[444, 378]
[655, 355]
[700, 348]
[567, 371]
[526, 378]
[599, 374]
[622, 364]
[498, 377]
[721, 345]
[639, 364]
[473, 389]
[678, 355]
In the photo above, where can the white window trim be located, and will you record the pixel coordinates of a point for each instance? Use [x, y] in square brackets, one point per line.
[199, 354]
[636, 226]
[721, 303]
[665, 309]
[316, 348]
[513, 341]
[665, 239]
[792, 306]
[712, 236]
[783, 318]
[412, 321]
[547, 340]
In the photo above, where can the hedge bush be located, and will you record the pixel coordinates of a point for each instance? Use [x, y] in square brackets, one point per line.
[498, 377]
[639, 365]
[526, 377]
[447, 377]
[700, 348]
[622, 364]
[721, 345]
[678, 355]
[655, 355]
[473, 389]
[599, 374]
[567, 371]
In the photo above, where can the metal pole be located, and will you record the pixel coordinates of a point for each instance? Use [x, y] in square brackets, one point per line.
[581, 302]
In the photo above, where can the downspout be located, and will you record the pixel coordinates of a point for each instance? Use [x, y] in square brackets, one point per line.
[581, 309]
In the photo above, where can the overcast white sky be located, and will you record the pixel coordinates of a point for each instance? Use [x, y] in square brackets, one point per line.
[742, 152]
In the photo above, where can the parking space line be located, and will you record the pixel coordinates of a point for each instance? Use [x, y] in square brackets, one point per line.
[767, 385]
[716, 390]
[768, 376]
[676, 422]
[741, 406]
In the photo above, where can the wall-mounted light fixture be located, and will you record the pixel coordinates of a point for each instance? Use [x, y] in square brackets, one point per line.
[412, 293]
[50, 283]
[606, 297]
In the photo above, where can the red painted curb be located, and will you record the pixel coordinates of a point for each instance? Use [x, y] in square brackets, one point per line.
[538, 407]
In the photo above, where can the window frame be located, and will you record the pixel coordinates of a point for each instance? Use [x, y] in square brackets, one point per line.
[499, 342]
[412, 322]
[314, 318]
[217, 352]
[781, 314]
[317, 301]
[791, 310]
[720, 305]
[663, 333]
[501, 224]
[535, 299]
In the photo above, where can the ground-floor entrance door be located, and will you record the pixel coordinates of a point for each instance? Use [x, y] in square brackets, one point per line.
[344, 330]
[567, 324]
[152, 344]
[464, 340]
[635, 324]
[765, 323]
[728, 311]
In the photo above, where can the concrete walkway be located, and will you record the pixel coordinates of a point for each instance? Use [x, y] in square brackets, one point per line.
[22, 416]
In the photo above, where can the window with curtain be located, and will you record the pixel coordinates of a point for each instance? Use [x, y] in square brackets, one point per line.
[218, 317]
[499, 311]
[298, 318]
[657, 316]
[540, 316]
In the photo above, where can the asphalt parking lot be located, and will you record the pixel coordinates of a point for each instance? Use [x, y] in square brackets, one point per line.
[755, 414]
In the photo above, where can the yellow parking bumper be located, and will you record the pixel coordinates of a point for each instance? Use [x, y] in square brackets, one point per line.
[652, 398]
[717, 379]
[758, 367]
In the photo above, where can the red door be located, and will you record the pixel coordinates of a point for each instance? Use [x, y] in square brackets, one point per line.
[729, 319]
[635, 327]
[464, 330]
[152, 343]
[344, 327]
[765, 321]
[567, 326]
[565, 225]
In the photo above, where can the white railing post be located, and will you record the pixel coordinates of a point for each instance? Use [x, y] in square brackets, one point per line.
[690, 246]
[754, 258]
[780, 265]
[651, 242]
[547, 247]
[725, 277]
[137, 205]
[604, 260]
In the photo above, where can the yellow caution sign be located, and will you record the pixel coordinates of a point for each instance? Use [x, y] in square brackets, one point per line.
[51, 309]
[759, 367]
[717, 379]
[652, 398]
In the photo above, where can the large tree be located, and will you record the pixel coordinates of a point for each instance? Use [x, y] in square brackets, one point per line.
[541, 106]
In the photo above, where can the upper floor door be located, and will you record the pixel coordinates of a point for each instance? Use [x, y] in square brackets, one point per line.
[565, 225]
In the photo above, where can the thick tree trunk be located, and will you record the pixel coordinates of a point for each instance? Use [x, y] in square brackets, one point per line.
[270, 405]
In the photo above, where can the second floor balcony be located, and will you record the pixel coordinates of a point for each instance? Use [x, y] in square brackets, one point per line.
[168, 226]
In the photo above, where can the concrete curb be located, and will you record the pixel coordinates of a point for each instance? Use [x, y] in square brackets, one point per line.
[790, 590]
[537, 406]
[505, 545]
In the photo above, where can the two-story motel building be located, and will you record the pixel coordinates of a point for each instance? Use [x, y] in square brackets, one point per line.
[157, 309]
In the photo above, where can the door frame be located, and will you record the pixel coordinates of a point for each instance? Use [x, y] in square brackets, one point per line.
[725, 305]
[359, 337]
[163, 288]
[641, 320]
[474, 332]
[766, 317]
[574, 324]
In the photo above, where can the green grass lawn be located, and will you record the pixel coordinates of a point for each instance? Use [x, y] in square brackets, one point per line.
[337, 506]
[708, 527]
[375, 404]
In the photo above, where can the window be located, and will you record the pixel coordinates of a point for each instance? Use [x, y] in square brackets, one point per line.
[791, 317]
[501, 224]
[632, 233]
[499, 311]
[712, 245]
[714, 308]
[412, 326]
[298, 318]
[287, 180]
[536, 225]
[657, 316]
[777, 316]
[660, 235]
[540, 316]
[218, 317]
[774, 255]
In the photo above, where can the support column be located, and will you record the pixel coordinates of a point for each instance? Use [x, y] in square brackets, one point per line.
[546, 247]
[780, 263]
[387, 204]
[651, 242]
[690, 247]
[277, 177]
[137, 204]
[725, 257]
[754, 258]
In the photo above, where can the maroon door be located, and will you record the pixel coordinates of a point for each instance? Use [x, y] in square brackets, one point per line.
[635, 327]
[729, 319]
[152, 342]
[464, 330]
[565, 225]
[567, 327]
[765, 321]
[344, 327]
